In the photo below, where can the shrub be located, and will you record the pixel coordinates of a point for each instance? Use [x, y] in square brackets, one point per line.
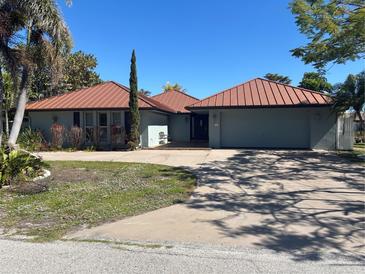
[360, 136]
[58, 135]
[75, 136]
[19, 166]
[31, 140]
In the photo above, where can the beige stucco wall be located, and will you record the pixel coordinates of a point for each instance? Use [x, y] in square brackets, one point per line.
[43, 120]
[150, 118]
[179, 127]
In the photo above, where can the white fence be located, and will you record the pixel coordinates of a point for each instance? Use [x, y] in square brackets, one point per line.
[157, 135]
[345, 136]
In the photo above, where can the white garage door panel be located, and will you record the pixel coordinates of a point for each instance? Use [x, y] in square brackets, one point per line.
[267, 128]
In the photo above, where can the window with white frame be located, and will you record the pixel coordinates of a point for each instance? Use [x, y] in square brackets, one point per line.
[89, 127]
[117, 131]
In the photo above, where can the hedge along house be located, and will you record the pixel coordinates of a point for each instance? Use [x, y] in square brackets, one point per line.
[102, 112]
[266, 114]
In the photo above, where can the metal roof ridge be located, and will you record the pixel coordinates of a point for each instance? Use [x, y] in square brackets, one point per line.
[144, 98]
[225, 90]
[183, 93]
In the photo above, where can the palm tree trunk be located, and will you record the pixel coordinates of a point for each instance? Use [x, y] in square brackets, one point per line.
[20, 109]
[6, 121]
[1, 106]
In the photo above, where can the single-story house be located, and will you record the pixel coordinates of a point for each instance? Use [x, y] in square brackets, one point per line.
[256, 114]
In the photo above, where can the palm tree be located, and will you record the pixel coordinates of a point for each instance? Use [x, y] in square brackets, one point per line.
[1, 106]
[47, 38]
[8, 100]
[144, 92]
[351, 95]
[176, 86]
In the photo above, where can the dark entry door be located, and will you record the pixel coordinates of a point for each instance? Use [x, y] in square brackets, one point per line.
[199, 127]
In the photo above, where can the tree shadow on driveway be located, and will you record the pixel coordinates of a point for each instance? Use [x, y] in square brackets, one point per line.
[310, 203]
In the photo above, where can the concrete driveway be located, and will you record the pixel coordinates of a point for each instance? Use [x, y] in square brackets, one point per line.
[301, 203]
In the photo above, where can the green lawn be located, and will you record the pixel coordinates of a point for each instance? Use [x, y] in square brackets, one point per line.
[84, 194]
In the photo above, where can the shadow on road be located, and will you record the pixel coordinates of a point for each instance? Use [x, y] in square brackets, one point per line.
[311, 203]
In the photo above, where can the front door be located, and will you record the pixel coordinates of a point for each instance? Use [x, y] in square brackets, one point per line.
[199, 127]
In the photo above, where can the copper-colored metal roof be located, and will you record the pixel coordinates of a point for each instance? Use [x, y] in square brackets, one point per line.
[263, 93]
[107, 95]
[176, 100]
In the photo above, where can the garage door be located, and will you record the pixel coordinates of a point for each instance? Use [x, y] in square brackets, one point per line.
[266, 128]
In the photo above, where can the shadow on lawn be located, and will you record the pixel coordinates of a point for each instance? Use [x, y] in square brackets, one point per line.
[316, 191]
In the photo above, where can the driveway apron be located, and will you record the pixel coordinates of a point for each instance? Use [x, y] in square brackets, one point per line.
[303, 203]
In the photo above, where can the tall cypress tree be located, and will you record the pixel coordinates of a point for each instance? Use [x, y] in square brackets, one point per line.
[133, 141]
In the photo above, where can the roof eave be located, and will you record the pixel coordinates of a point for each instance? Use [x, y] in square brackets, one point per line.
[265, 106]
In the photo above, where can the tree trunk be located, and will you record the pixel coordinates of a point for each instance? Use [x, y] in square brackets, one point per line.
[1, 107]
[20, 109]
[7, 121]
[358, 112]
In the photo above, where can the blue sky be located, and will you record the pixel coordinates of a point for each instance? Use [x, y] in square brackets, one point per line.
[204, 45]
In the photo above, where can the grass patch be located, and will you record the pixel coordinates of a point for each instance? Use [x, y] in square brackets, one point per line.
[84, 194]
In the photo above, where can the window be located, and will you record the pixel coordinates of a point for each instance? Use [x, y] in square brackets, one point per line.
[103, 134]
[76, 119]
[89, 135]
[103, 119]
[89, 127]
[116, 119]
[117, 132]
[89, 119]
[103, 127]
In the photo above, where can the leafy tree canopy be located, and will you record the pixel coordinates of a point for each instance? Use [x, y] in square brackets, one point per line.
[78, 72]
[335, 29]
[170, 87]
[278, 78]
[315, 81]
[31, 32]
[351, 94]
[9, 91]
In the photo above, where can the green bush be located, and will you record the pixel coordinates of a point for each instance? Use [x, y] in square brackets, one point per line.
[30, 140]
[19, 166]
[75, 137]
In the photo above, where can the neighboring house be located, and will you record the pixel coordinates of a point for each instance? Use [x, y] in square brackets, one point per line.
[256, 114]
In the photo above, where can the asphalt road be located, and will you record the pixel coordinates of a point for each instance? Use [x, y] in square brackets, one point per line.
[91, 257]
